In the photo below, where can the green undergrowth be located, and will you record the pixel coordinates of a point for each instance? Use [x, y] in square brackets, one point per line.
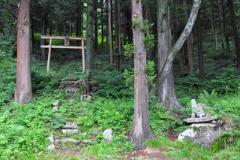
[24, 128]
[189, 151]
[223, 82]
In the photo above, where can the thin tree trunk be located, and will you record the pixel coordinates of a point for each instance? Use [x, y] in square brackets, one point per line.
[102, 24]
[235, 31]
[119, 35]
[77, 29]
[90, 43]
[189, 43]
[141, 129]
[225, 28]
[215, 35]
[96, 25]
[200, 50]
[50, 28]
[221, 21]
[43, 32]
[23, 85]
[110, 31]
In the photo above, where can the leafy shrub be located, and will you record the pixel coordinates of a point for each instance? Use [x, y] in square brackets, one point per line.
[23, 130]
[160, 120]
[228, 154]
[224, 82]
[104, 113]
[111, 84]
[108, 151]
[226, 140]
[128, 50]
[221, 105]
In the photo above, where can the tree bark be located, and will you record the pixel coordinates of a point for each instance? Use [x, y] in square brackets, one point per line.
[166, 92]
[141, 129]
[23, 85]
[235, 31]
[43, 32]
[90, 37]
[96, 25]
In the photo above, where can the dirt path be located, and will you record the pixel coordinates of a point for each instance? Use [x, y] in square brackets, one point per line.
[148, 154]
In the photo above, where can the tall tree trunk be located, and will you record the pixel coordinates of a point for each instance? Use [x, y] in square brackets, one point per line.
[189, 43]
[110, 31]
[235, 31]
[23, 86]
[166, 92]
[200, 50]
[77, 28]
[96, 25]
[221, 21]
[102, 23]
[50, 28]
[225, 28]
[119, 35]
[215, 35]
[90, 36]
[141, 129]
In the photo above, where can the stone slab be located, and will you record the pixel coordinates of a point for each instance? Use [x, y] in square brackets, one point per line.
[70, 125]
[200, 120]
[70, 131]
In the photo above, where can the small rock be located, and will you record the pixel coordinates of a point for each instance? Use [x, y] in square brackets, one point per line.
[51, 148]
[87, 141]
[107, 135]
[51, 138]
[70, 131]
[85, 98]
[70, 125]
[56, 105]
[95, 131]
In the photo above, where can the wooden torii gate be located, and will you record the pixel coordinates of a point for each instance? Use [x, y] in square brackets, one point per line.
[66, 46]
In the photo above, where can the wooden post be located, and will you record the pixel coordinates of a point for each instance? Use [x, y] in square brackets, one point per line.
[49, 56]
[83, 56]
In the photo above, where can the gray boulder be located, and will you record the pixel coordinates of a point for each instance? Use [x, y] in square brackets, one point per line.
[107, 135]
[203, 133]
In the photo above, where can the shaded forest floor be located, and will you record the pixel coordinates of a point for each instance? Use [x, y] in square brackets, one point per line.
[25, 129]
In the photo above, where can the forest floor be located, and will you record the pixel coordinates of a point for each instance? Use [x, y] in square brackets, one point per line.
[25, 136]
